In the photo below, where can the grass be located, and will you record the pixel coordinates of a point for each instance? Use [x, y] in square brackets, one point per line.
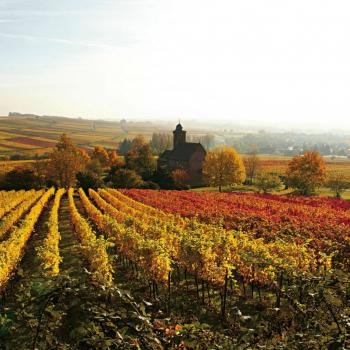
[323, 191]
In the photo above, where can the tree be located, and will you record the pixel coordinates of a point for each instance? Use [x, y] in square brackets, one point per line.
[180, 178]
[267, 182]
[252, 166]
[65, 162]
[101, 155]
[207, 141]
[126, 178]
[137, 142]
[223, 167]
[124, 147]
[20, 179]
[160, 142]
[39, 167]
[87, 180]
[337, 183]
[140, 158]
[94, 167]
[164, 179]
[91, 176]
[307, 172]
[84, 154]
[114, 159]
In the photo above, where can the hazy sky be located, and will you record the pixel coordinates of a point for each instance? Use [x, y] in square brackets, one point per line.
[271, 61]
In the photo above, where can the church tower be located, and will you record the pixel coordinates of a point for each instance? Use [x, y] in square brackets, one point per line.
[179, 135]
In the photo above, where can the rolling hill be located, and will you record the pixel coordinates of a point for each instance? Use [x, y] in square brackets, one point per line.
[30, 134]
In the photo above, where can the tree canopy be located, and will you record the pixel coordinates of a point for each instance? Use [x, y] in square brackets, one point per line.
[306, 172]
[65, 162]
[140, 158]
[223, 166]
[125, 178]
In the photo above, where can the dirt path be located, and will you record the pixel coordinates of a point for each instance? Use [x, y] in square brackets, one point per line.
[72, 263]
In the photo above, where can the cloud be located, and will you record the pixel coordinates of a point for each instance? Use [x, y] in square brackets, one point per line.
[58, 41]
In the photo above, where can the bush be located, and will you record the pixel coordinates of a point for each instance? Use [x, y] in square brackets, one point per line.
[150, 185]
[163, 179]
[125, 178]
[180, 178]
[337, 183]
[87, 180]
[267, 182]
[20, 179]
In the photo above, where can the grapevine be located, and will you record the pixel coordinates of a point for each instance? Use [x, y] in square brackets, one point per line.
[12, 249]
[94, 249]
[49, 252]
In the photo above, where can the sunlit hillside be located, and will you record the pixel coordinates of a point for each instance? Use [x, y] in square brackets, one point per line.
[36, 135]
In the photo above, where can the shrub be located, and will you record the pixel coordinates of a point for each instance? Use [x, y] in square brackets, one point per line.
[125, 178]
[267, 182]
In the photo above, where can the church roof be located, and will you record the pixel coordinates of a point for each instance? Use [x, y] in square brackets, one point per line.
[183, 151]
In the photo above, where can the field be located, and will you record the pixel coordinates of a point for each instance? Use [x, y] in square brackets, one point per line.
[276, 164]
[143, 269]
[37, 135]
[8, 165]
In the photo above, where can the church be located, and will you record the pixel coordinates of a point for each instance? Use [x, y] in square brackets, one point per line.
[184, 155]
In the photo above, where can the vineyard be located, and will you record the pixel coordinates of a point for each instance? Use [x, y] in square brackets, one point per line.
[279, 165]
[143, 269]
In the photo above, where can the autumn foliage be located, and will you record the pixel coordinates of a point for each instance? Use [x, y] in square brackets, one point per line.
[223, 167]
[285, 257]
[307, 172]
[65, 162]
[101, 155]
[324, 222]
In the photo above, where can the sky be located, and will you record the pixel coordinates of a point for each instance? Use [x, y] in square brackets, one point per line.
[281, 62]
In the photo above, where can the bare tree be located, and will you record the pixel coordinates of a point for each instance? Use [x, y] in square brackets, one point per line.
[160, 142]
[337, 183]
[252, 166]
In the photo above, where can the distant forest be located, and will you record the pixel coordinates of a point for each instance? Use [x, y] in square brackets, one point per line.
[290, 144]
[263, 142]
